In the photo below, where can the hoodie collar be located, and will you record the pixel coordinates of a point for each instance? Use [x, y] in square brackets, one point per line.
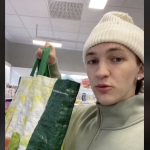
[121, 115]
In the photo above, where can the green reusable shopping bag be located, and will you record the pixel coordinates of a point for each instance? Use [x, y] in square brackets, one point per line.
[53, 125]
[28, 104]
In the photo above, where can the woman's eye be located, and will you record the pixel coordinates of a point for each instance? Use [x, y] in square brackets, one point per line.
[117, 59]
[92, 62]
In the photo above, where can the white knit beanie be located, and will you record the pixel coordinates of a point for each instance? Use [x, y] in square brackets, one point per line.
[117, 27]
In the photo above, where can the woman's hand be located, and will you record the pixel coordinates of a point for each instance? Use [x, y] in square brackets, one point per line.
[52, 56]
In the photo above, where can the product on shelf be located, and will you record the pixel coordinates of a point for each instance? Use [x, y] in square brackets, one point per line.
[10, 91]
[83, 96]
[80, 97]
[7, 103]
[78, 102]
[87, 97]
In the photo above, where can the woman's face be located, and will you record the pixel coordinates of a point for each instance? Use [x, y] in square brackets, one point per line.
[115, 66]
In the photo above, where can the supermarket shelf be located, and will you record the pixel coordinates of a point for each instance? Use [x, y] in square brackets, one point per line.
[82, 89]
[8, 99]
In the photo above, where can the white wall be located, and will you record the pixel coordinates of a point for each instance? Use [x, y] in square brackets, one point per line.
[14, 77]
[6, 50]
[7, 72]
[23, 55]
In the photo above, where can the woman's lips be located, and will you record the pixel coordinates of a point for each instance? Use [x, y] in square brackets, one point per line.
[103, 89]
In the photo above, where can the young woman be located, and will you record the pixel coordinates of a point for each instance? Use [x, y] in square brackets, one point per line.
[114, 59]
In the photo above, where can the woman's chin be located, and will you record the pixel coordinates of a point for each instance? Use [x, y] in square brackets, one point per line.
[106, 100]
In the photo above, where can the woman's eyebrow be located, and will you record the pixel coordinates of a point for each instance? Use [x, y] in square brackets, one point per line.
[115, 49]
[90, 53]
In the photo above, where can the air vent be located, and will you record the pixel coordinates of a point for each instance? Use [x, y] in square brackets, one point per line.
[65, 10]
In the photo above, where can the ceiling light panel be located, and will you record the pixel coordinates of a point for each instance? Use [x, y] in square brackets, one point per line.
[97, 4]
[55, 44]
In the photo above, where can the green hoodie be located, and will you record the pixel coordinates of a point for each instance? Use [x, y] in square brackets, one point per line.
[54, 71]
[116, 127]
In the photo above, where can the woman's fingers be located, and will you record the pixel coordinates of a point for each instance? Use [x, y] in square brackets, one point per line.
[47, 44]
[52, 56]
[39, 53]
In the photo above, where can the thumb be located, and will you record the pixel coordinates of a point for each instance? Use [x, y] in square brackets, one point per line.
[47, 44]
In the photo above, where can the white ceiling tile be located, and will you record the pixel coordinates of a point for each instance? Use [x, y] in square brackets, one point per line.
[56, 35]
[65, 25]
[13, 21]
[115, 2]
[17, 31]
[45, 33]
[31, 22]
[111, 2]
[91, 15]
[23, 40]
[94, 15]
[134, 3]
[87, 27]
[80, 46]
[136, 14]
[32, 32]
[87, 1]
[83, 37]
[30, 8]
[68, 45]
[8, 8]
[40, 33]
[8, 37]
[65, 35]
[73, 1]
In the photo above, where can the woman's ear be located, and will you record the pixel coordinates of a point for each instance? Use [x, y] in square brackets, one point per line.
[141, 71]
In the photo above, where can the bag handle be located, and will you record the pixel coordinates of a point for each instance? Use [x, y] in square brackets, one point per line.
[43, 67]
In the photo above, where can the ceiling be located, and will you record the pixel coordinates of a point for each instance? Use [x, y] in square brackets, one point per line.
[21, 18]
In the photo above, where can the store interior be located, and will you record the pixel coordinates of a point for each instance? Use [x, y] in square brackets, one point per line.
[37, 20]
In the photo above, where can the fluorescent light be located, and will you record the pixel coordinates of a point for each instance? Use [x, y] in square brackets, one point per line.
[97, 4]
[56, 44]
[39, 42]
[43, 43]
